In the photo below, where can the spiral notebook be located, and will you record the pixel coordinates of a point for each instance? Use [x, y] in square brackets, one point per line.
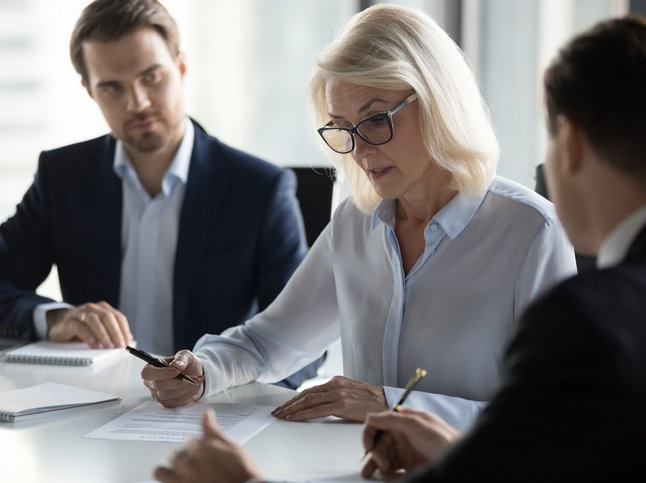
[20, 403]
[63, 353]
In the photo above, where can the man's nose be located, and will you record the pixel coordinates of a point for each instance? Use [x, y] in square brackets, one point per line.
[138, 99]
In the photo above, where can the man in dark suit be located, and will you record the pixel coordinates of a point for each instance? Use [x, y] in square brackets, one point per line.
[158, 230]
[572, 402]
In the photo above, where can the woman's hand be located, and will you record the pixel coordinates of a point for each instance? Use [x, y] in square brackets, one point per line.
[213, 458]
[409, 438]
[166, 388]
[341, 397]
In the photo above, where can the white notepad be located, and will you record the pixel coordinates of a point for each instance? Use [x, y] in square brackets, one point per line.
[66, 353]
[50, 396]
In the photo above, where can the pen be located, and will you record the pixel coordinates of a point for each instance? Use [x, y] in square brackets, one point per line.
[419, 373]
[144, 356]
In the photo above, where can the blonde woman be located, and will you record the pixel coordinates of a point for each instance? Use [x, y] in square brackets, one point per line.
[430, 261]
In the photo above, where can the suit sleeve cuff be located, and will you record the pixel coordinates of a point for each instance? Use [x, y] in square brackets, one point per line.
[40, 316]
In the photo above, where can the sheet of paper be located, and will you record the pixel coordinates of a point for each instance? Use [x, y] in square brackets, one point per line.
[152, 422]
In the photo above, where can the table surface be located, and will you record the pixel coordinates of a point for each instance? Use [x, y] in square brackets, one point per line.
[52, 447]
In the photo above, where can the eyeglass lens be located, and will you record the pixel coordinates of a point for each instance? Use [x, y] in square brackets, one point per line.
[374, 130]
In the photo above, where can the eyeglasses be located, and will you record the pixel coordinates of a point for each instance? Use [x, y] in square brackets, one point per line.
[376, 129]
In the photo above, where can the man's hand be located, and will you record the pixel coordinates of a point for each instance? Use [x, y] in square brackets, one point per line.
[213, 458]
[97, 324]
[341, 397]
[409, 438]
[166, 388]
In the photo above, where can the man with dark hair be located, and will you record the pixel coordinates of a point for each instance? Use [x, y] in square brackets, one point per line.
[159, 231]
[572, 402]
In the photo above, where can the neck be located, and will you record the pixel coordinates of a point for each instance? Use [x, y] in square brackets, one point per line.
[152, 166]
[151, 170]
[421, 205]
[612, 199]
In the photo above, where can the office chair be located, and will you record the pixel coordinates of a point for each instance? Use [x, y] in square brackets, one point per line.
[314, 194]
[584, 263]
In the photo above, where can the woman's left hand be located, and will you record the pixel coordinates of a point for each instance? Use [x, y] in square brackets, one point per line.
[341, 397]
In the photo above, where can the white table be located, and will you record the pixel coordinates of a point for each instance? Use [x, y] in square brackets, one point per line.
[51, 448]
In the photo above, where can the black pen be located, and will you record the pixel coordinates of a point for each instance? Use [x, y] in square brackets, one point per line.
[144, 356]
[419, 373]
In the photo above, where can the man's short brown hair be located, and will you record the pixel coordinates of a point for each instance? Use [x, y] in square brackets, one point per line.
[109, 20]
[598, 81]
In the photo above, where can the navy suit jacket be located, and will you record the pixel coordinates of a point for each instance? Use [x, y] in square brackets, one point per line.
[572, 404]
[240, 237]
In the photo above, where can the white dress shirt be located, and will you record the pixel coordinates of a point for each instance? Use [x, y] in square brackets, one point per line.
[485, 258]
[149, 228]
[616, 245]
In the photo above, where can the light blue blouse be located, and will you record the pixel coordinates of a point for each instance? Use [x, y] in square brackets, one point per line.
[486, 257]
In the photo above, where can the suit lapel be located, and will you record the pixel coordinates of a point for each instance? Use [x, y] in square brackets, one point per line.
[207, 181]
[104, 201]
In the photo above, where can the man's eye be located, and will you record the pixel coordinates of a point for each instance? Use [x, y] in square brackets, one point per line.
[152, 77]
[110, 88]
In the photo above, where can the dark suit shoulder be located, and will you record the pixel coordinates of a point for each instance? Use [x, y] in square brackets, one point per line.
[597, 295]
[597, 314]
[66, 164]
[80, 150]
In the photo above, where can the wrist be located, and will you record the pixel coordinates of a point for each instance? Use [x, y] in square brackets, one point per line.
[53, 317]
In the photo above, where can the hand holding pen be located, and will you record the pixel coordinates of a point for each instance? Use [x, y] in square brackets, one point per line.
[419, 373]
[169, 382]
[150, 359]
[409, 438]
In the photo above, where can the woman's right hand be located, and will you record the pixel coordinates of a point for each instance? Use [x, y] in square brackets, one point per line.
[164, 386]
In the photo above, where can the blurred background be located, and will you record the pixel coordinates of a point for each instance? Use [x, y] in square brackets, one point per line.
[248, 66]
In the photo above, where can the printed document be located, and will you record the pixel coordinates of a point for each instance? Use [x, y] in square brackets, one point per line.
[152, 422]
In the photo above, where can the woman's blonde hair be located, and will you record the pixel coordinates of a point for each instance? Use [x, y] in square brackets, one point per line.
[399, 48]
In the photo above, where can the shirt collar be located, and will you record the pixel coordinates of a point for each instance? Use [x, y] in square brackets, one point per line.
[616, 245]
[453, 218]
[179, 166]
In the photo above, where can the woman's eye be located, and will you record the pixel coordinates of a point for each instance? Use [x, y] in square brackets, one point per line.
[377, 120]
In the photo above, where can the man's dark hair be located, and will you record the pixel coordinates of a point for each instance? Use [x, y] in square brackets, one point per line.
[109, 20]
[598, 81]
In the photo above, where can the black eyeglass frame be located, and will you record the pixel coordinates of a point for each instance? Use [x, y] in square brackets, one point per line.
[388, 115]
